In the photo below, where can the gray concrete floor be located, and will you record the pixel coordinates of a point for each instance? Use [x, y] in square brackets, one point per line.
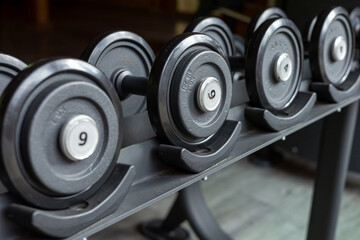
[252, 203]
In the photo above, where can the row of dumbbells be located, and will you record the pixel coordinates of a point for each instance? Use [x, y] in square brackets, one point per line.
[61, 123]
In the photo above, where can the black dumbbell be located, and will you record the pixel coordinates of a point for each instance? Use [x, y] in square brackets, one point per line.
[188, 90]
[129, 53]
[60, 129]
[330, 43]
[61, 134]
[273, 69]
[272, 85]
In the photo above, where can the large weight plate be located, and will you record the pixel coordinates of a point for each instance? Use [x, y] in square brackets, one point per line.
[113, 52]
[215, 28]
[9, 68]
[260, 18]
[330, 25]
[174, 80]
[273, 38]
[36, 105]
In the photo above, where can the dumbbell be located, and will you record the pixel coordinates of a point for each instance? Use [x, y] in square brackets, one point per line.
[189, 88]
[331, 45]
[272, 77]
[136, 59]
[330, 42]
[61, 131]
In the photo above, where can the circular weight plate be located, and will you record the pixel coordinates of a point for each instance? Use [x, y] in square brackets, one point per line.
[37, 104]
[260, 18]
[332, 24]
[310, 28]
[277, 44]
[57, 106]
[215, 28]
[9, 68]
[177, 73]
[196, 68]
[355, 20]
[122, 51]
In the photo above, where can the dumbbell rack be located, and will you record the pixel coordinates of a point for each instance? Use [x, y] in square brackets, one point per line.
[156, 180]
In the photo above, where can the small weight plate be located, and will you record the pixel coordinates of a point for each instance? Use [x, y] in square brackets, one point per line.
[355, 20]
[261, 17]
[9, 68]
[310, 28]
[122, 51]
[275, 50]
[36, 106]
[178, 71]
[332, 24]
[215, 28]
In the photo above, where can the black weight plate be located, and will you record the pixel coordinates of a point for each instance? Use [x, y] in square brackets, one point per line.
[261, 17]
[310, 28]
[168, 98]
[216, 28]
[9, 68]
[355, 20]
[273, 38]
[116, 51]
[190, 72]
[35, 106]
[330, 24]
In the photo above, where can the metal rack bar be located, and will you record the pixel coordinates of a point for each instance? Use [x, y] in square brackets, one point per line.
[335, 149]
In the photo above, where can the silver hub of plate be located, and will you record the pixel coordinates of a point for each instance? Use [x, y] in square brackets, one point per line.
[283, 67]
[339, 49]
[79, 138]
[209, 94]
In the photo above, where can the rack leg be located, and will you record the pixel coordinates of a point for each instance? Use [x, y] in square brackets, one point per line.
[189, 205]
[335, 150]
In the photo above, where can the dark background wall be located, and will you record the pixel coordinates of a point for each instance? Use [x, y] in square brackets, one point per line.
[304, 10]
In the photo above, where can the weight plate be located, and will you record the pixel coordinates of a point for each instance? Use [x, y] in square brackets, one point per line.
[310, 28]
[122, 51]
[9, 68]
[261, 17]
[332, 46]
[277, 52]
[215, 28]
[355, 20]
[181, 75]
[37, 104]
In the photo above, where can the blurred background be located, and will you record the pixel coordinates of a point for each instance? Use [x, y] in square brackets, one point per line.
[35, 29]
